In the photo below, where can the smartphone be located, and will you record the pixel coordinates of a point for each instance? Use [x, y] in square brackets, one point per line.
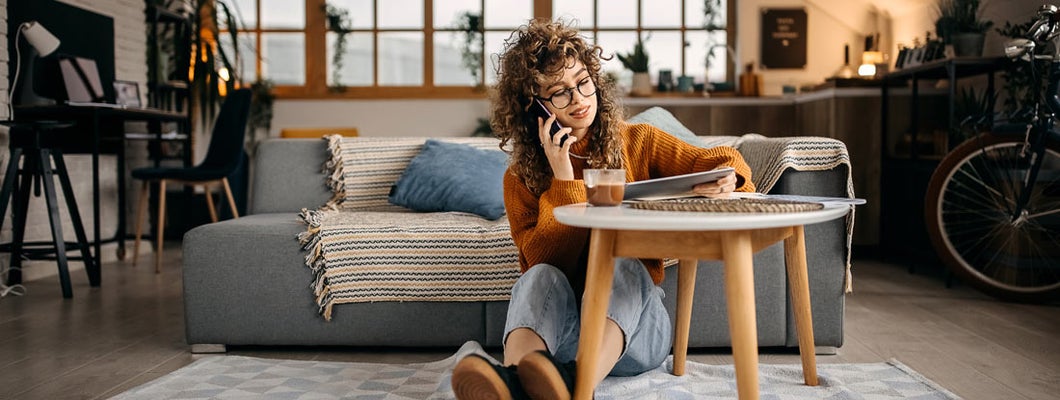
[538, 109]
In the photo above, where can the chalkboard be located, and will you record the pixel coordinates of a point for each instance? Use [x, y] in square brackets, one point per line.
[783, 38]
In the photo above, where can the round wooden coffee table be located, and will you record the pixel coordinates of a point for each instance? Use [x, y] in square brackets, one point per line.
[691, 236]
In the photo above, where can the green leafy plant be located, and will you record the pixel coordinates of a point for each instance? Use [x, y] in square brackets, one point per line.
[636, 61]
[713, 20]
[1017, 76]
[482, 128]
[259, 119]
[469, 27]
[215, 72]
[974, 111]
[340, 22]
[960, 16]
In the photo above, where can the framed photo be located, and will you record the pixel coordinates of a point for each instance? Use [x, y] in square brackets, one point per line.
[127, 93]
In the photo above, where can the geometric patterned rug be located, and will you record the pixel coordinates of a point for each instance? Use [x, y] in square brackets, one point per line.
[237, 377]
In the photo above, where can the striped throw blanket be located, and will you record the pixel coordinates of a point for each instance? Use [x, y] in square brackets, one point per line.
[361, 248]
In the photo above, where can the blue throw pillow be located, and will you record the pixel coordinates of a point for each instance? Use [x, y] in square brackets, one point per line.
[453, 177]
[662, 119]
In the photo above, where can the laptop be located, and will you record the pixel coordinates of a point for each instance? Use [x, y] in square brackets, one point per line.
[82, 82]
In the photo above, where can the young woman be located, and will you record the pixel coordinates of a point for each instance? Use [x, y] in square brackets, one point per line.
[548, 62]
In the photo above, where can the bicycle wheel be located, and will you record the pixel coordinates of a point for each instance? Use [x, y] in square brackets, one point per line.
[969, 209]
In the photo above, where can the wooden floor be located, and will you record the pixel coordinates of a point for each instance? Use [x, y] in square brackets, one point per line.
[130, 331]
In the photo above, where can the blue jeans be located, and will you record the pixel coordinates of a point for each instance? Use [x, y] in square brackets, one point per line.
[543, 301]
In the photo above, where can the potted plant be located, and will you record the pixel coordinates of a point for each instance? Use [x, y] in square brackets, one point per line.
[637, 62]
[960, 24]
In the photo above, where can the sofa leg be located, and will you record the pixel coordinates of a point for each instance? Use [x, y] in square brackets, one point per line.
[825, 350]
[208, 348]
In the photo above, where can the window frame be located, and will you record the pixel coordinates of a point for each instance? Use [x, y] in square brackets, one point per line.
[316, 53]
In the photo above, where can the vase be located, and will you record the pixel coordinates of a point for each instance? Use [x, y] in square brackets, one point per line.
[641, 84]
[968, 44]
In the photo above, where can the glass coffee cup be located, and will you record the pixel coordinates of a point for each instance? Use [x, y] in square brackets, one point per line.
[604, 187]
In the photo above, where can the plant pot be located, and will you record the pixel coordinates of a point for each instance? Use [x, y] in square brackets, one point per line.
[968, 44]
[641, 84]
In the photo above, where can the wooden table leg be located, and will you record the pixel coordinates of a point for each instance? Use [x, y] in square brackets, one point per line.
[597, 295]
[795, 261]
[740, 295]
[686, 288]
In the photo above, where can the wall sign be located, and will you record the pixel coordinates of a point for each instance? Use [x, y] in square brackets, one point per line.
[783, 38]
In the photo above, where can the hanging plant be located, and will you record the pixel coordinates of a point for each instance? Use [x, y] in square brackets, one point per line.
[470, 30]
[713, 20]
[340, 22]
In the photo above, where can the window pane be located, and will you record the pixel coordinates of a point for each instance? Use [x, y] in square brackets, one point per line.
[580, 10]
[283, 58]
[618, 14]
[401, 58]
[664, 51]
[247, 55]
[696, 54]
[244, 9]
[694, 17]
[360, 12]
[450, 13]
[661, 13]
[356, 61]
[494, 47]
[400, 14]
[508, 13]
[618, 42]
[449, 68]
[720, 64]
[282, 14]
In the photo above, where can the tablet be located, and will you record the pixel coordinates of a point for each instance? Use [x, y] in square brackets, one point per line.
[672, 185]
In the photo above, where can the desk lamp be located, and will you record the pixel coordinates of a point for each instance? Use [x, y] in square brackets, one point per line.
[42, 44]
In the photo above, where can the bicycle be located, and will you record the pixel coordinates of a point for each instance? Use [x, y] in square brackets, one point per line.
[993, 203]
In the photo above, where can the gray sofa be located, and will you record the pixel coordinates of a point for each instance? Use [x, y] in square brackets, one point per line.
[246, 282]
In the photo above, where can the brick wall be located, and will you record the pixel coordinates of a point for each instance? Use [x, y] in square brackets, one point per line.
[130, 64]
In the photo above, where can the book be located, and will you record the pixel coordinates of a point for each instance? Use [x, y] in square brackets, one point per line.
[670, 186]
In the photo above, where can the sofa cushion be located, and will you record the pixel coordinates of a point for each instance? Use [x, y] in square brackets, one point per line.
[453, 177]
[361, 170]
[662, 119]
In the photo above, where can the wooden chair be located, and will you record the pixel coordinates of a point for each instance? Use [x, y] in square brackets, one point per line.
[222, 158]
[315, 133]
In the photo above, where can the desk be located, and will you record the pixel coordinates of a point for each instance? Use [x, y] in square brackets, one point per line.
[107, 136]
[692, 236]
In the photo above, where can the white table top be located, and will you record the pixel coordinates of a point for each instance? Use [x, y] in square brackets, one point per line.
[624, 217]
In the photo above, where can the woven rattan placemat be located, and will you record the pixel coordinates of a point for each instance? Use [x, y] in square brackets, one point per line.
[702, 204]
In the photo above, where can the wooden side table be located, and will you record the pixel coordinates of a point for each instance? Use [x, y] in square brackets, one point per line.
[691, 236]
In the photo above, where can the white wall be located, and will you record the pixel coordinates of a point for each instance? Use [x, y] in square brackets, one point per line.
[454, 117]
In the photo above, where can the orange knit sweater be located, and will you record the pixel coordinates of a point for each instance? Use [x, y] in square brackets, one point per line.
[647, 152]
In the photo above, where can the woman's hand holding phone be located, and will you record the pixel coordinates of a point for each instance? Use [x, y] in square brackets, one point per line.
[556, 147]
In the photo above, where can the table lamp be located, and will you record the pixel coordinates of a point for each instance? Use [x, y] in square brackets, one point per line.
[42, 44]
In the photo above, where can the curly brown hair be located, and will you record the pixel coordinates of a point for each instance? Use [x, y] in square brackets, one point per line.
[534, 55]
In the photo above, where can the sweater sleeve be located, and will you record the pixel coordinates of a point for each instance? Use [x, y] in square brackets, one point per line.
[669, 156]
[539, 237]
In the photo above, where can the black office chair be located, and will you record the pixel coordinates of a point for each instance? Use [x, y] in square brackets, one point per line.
[222, 158]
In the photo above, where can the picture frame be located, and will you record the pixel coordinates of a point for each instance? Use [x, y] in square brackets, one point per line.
[127, 93]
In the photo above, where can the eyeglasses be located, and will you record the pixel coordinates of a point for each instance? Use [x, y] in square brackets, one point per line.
[563, 98]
